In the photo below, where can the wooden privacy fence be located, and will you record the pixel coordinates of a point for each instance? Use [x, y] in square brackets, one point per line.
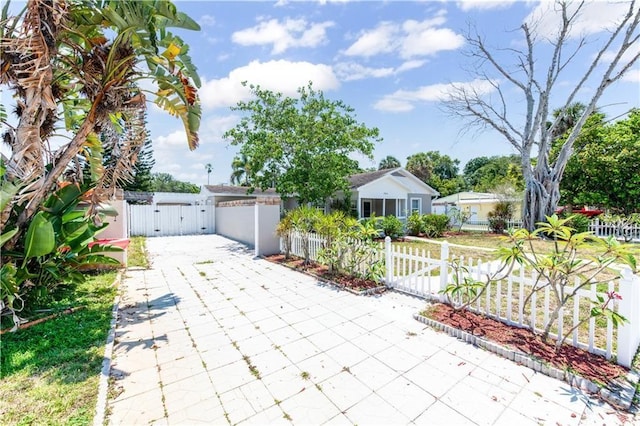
[425, 274]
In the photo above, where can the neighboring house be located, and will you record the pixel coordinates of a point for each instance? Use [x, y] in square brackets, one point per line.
[387, 192]
[478, 203]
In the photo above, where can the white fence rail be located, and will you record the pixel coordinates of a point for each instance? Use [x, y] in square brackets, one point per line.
[621, 229]
[422, 274]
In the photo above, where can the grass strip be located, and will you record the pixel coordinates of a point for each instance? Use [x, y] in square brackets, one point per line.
[49, 372]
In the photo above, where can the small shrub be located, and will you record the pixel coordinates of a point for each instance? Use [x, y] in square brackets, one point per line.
[435, 225]
[579, 222]
[392, 226]
[500, 216]
[415, 224]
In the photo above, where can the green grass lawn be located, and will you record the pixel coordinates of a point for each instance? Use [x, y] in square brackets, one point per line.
[49, 372]
[137, 253]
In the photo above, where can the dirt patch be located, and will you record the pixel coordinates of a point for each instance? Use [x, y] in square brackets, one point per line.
[585, 364]
[321, 271]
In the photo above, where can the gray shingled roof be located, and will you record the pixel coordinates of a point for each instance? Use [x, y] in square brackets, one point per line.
[238, 190]
[360, 179]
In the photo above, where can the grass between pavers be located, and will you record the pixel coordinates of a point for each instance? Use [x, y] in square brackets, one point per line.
[49, 372]
[137, 253]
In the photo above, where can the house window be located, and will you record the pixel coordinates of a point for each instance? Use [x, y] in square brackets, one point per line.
[416, 205]
[401, 208]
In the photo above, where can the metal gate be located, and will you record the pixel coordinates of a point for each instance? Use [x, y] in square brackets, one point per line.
[162, 221]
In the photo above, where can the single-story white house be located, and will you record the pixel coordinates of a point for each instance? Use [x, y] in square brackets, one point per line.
[381, 193]
[387, 192]
[478, 203]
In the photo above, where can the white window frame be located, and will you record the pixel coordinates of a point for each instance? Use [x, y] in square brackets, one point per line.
[401, 207]
[419, 200]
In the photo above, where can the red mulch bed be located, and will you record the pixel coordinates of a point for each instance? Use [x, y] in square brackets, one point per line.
[590, 366]
[346, 281]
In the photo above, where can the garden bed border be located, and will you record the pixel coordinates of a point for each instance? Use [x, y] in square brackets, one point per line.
[367, 292]
[621, 397]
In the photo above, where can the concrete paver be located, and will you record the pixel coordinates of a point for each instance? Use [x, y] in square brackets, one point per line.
[210, 335]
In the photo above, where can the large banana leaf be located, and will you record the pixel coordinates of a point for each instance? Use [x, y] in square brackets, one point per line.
[40, 239]
[63, 200]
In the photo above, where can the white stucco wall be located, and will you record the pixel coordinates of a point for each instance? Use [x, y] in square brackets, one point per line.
[237, 223]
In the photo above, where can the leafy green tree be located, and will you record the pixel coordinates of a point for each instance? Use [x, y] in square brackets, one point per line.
[301, 146]
[605, 169]
[437, 170]
[164, 182]
[420, 166]
[389, 162]
[484, 174]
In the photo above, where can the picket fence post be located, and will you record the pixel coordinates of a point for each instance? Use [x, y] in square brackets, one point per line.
[444, 269]
[388, 262]
[629, 332]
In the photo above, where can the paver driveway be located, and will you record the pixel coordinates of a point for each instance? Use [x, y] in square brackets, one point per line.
[211, 335]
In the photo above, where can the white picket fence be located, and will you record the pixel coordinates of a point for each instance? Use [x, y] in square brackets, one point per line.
[620, 230]
[419, 273]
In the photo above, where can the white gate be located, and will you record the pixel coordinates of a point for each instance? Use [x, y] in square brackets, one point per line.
[162, 221]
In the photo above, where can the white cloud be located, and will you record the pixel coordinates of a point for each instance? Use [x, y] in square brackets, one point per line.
[405, 100]
[382, 39]
[632, 76]
[207, 21]
[350, 71]
[410, 39]
[283, 35]
[595, 17]
[177, 138]
[279, 76]
[467, 5]
[423, 38]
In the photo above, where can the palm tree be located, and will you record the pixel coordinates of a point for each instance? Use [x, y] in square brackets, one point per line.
[209, 168]
[241, 170]
[389, 162]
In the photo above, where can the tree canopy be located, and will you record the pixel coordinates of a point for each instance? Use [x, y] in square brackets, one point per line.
[389, 162]
[165, 182]
[485, 174]
[605, 169]
[438, 171]
[301, 146]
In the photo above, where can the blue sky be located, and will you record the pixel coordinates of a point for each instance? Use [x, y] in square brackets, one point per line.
[391, 61]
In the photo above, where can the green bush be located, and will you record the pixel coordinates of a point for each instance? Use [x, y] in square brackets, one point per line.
[500, 216]
[415, 224]
[578, 222]
[435, 225]
[392, 226]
